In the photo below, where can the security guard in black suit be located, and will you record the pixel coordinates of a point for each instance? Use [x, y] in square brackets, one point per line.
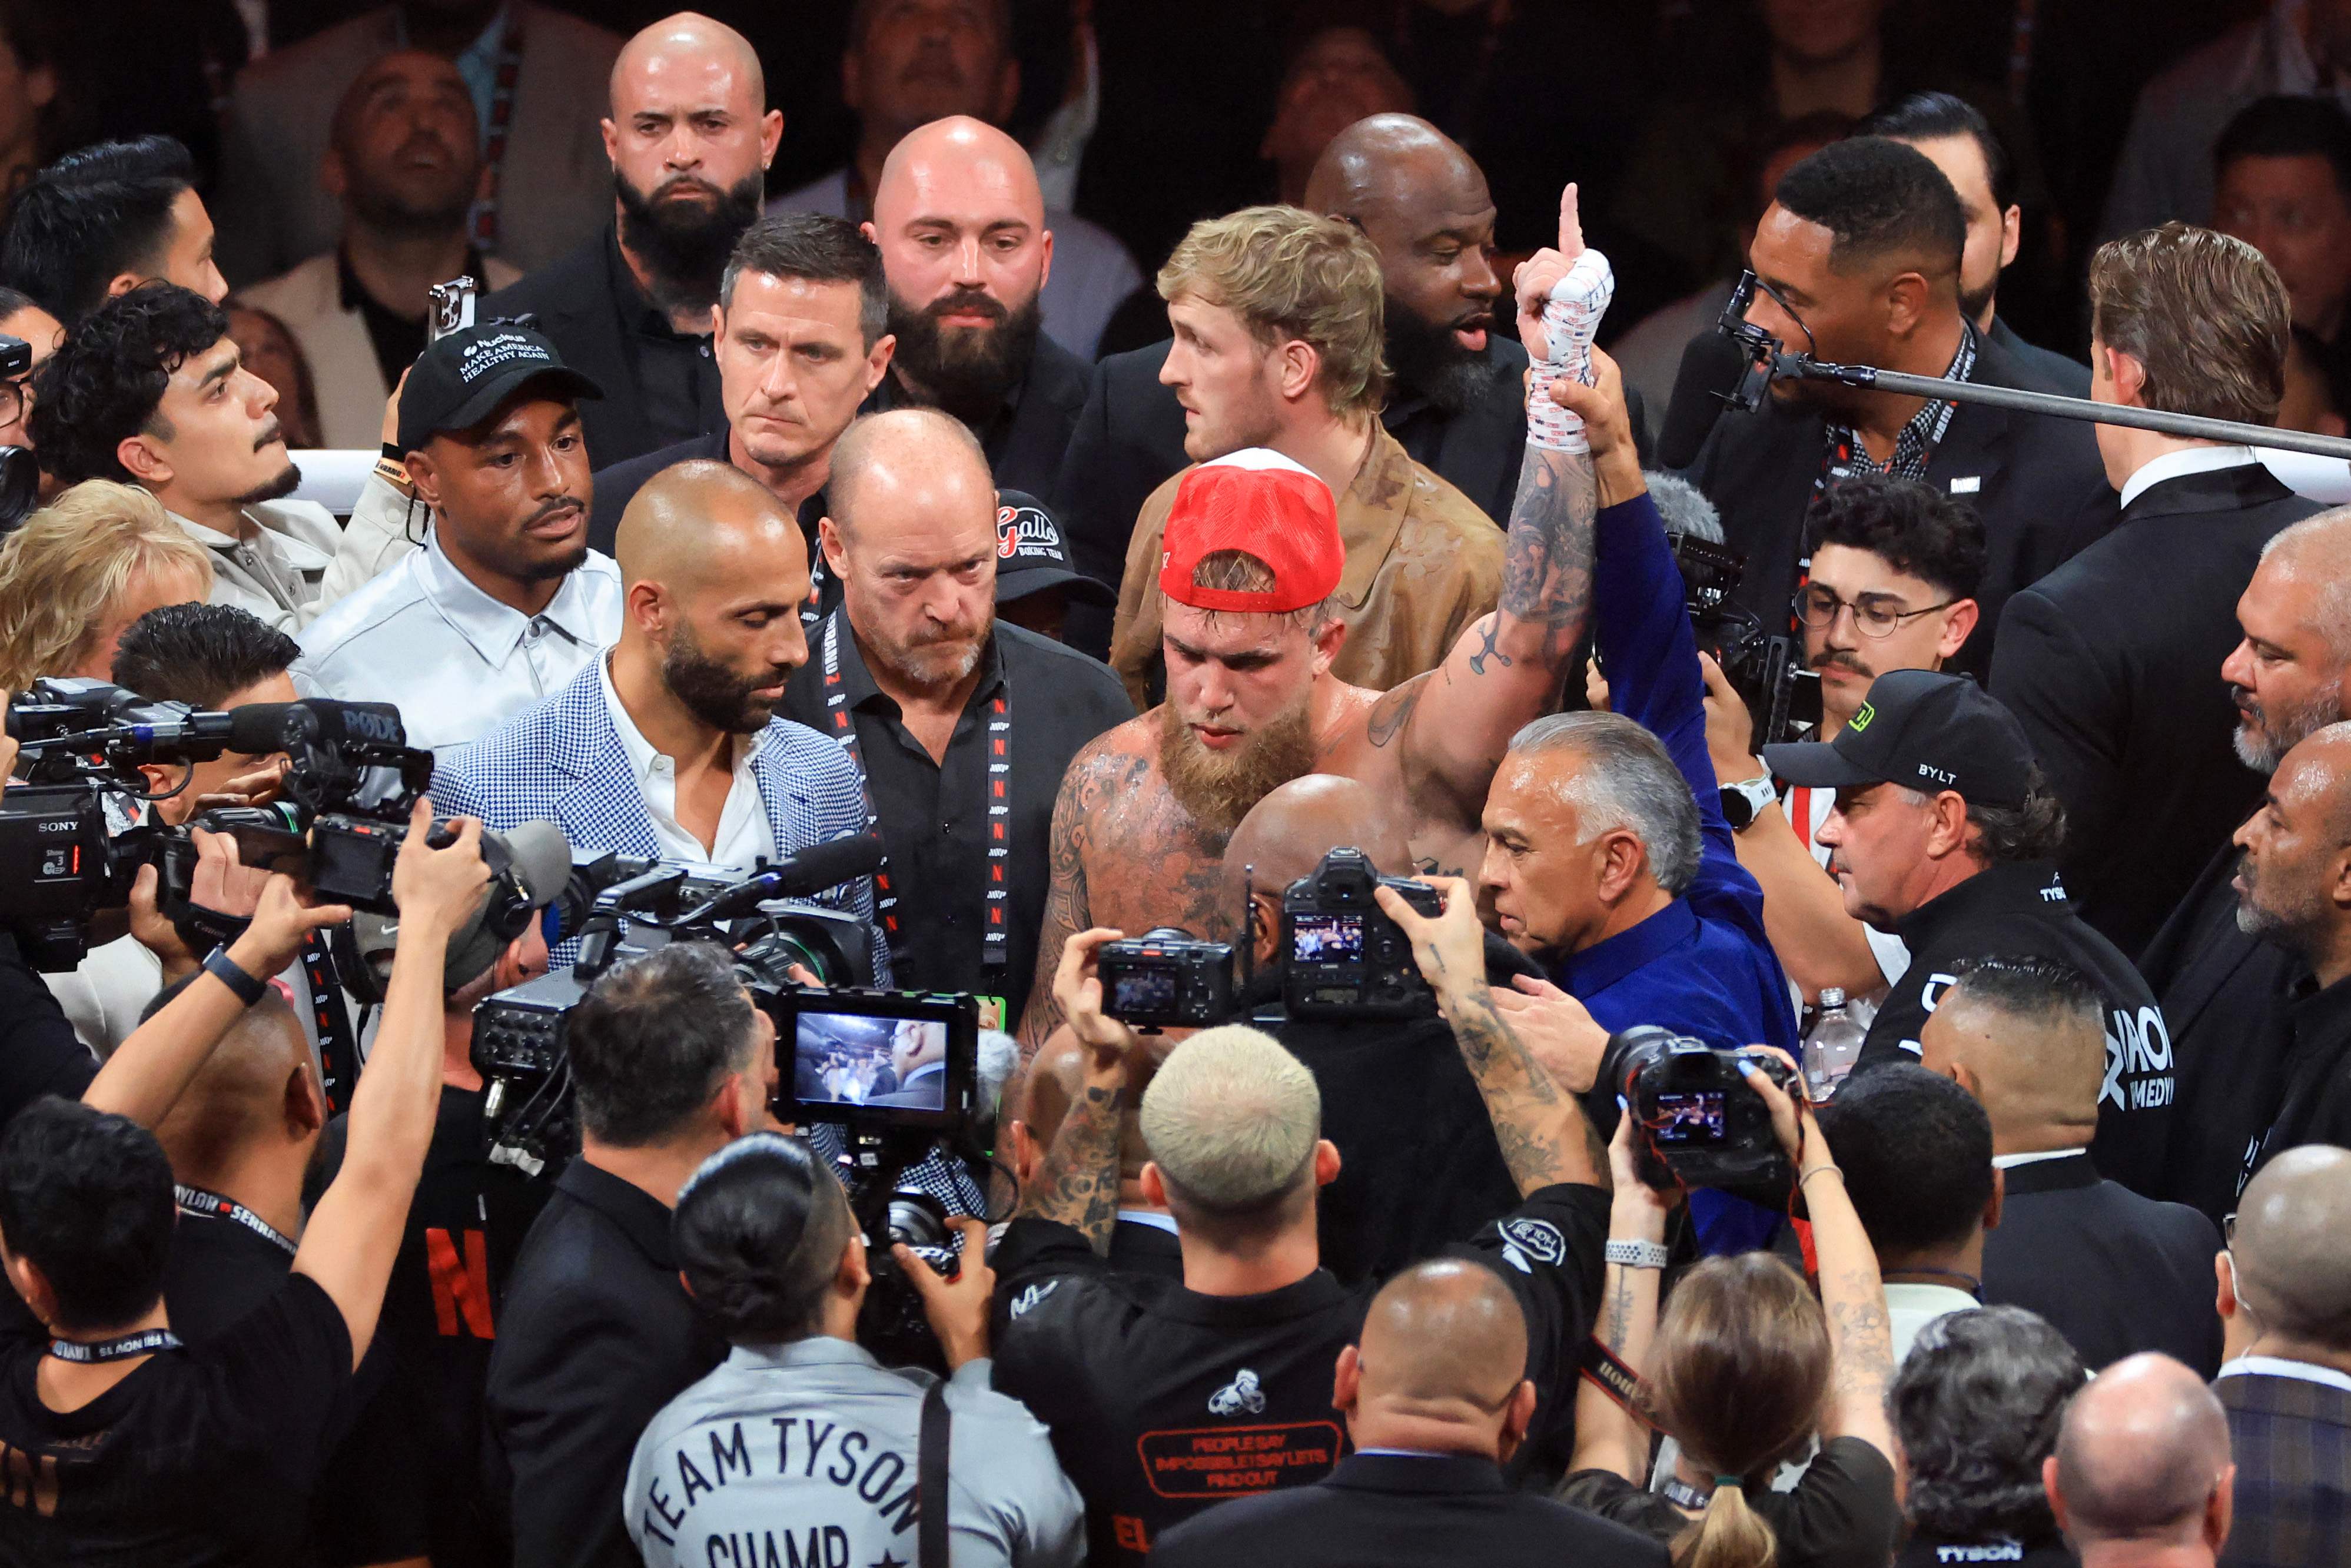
[2112, 662]
[1856, 261]
[1435, 1401]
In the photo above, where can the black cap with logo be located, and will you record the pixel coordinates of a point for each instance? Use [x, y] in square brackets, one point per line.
[462, 377]
[1030, 557]
[1922, 730]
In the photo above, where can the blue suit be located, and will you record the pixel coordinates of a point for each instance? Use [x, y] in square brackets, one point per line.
[562, 761]
[1702, 966]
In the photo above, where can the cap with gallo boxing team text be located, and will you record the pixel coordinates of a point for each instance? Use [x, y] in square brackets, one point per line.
[1032, 557]
[1265, 505]
[462, 377]
[1923, 731]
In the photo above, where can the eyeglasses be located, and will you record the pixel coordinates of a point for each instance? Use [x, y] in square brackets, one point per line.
[1818, 606]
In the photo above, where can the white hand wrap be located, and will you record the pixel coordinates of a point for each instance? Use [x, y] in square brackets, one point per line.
[1570, 320]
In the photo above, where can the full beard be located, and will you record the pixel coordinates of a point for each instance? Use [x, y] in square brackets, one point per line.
[1427, 358]
[2261, 750]
[712, 691]
[1218, 789]
[969, 372]
[684, 245]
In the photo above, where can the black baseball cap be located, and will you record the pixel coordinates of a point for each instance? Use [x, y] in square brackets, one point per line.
[462, 377]
[1030, 557]
[1924, 731]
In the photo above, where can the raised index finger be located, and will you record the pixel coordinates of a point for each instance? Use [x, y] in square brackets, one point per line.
[1571, 224]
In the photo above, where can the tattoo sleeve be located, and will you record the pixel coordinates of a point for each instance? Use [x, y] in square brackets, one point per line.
[1547, 561]
[1078, 1186]
[1540, 1127]
[1066, 911]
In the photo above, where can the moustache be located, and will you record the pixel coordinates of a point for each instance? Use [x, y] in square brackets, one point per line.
[271, 433]
[967, 301]
[1839, 659]
[2244, 702]
[549, 509]
[426, 142]
[677, 182]
[1473, 322]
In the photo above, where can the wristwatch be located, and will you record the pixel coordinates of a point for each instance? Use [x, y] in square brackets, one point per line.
[1744, 801]
[1636, 1254]
[230, 973]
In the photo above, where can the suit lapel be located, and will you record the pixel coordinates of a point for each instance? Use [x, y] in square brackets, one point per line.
[583, 747]
[789, 811]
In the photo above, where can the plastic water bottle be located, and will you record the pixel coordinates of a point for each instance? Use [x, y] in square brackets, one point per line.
[1832, 1047]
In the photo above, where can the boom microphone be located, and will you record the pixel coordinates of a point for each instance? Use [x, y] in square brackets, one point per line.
[260, 728]
[799, 874]
[1711, 368]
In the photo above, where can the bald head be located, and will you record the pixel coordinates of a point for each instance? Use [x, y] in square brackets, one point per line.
[911, 461]
[2142, 1457]
[958, 158]
[687, 46]
[1287, 833]
[1444, 1336]
[1386, 160]
[255, 1093]
[687, 524]
[2294, 1272]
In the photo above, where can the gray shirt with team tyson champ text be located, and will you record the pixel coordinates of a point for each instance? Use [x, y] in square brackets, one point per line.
[804, 1454]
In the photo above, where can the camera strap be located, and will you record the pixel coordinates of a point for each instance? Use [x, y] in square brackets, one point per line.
[995, 934]
[199, 1204]
[147, 1341]
[338, 1067]
[1600, 1366]
[931, 1479]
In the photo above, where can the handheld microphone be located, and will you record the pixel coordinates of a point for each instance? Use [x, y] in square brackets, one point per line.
[1712, 368]
[799, 874]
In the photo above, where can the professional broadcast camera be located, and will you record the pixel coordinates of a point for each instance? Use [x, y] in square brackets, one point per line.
[1766, 668]
[1701, 1125]
[1341, 957]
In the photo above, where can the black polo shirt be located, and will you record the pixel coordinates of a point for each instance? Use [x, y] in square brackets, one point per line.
[994, 435]
[676, 375]
[397, 339]
[2020, 910]
[933, 816]
[2317, 1104]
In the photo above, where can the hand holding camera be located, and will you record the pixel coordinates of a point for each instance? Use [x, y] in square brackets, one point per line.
[955, 1305]
[436, 886]
[1450, 948]
[1078, 990]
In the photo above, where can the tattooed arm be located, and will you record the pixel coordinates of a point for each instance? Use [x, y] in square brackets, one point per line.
[1607, 1437]
[1067, 910]
[1861, 1337]
[1540, 1126]
[1077, 1185]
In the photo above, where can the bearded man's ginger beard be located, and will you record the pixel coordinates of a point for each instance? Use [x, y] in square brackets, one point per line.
[1219, 787]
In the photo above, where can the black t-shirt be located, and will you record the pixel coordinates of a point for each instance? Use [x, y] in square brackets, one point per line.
[408, 1480]
[1842, 1514]
[202, 1455]
[1942, 1552]
[39, 1052]
[1162, 1400]
[2021, 910]
[219, 1272]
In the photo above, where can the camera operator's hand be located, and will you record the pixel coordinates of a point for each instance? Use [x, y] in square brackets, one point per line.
[1638, 1210]
[1557, 1029]
[1596, 687]
[274, 937]
[1729, 728]
[7, 757]
[155, 933]
[1606, 426]
[955, 1308]
[1077, 990]
[258, 787]
[1792, 1120]
[438, 888]
[1449, 948]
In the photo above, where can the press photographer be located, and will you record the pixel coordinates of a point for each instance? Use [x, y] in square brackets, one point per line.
[210, 1451]
[1139, 1380]
[775, 1262]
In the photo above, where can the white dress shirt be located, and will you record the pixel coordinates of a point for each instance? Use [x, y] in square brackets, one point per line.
[2187, 460]
[278, 574]
[745, 836]
[457, 662]
[1911, 1308]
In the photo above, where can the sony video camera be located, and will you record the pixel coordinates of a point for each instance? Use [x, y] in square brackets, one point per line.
[1341, 957]
[1701, 1125]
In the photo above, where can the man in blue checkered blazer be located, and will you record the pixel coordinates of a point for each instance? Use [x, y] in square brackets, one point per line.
[669, 744]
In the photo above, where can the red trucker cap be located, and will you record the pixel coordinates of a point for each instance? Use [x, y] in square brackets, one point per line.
[1262, 503]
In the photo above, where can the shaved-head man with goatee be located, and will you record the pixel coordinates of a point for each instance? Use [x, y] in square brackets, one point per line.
[2227, 995]
[690, 137]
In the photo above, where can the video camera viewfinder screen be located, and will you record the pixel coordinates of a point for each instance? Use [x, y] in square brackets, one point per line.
[1691, 1120]
[1143, 989]
[1326, 939]
[847, 1059]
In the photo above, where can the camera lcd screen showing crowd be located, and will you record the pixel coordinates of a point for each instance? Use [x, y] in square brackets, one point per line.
[1345, 782]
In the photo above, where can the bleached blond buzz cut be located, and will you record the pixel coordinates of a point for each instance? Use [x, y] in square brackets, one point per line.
[1232, 1119]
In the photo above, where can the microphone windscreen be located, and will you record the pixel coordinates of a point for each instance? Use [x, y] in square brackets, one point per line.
[257, 729]
[1711, 371]
[827, 864]
[1683, 509]
[542, 860]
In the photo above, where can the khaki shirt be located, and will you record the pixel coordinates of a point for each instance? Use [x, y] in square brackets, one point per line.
[1422, 562]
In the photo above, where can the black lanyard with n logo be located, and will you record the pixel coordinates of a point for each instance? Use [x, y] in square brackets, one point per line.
[995, 927]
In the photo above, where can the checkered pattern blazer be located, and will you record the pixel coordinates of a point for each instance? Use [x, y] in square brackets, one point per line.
[561, 760]
[2293, 1443]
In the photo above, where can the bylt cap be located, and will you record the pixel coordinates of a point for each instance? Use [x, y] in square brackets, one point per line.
[1922, 730]
[1265, 505]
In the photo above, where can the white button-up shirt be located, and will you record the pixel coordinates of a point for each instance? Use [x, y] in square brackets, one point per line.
[457, 662]
[745, 836]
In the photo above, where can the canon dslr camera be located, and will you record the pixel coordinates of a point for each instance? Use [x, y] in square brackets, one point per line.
[1698, 1123]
